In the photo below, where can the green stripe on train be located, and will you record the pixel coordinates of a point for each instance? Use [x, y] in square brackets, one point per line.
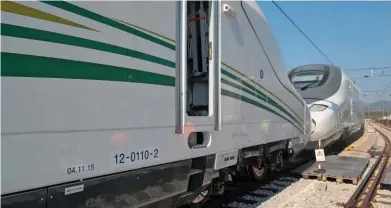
[243, 89]
[20, 9]
[107, 21]
[260, 94]
[19, 65]
[255, 103]
[259, 85]
[35, 34]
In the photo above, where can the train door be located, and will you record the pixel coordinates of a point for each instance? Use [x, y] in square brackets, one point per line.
[198, 71]
[198, 91]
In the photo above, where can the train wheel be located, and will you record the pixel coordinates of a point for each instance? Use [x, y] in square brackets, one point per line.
[258, 172]
[200, 200]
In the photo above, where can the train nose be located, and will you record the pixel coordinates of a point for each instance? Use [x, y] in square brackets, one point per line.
[322, 124]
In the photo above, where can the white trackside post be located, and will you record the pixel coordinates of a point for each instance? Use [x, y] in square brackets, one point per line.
[319, 165]
[320, 156]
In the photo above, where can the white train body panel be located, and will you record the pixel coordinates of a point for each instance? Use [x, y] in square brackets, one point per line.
[99, 81]
[335, 103]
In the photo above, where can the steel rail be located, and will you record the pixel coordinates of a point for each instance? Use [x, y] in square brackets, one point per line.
[360, 191]
[372, 191]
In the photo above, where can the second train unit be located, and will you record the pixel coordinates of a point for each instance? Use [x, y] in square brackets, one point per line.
[334, 100]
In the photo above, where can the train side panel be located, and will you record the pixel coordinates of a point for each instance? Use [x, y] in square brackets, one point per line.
[89, 90]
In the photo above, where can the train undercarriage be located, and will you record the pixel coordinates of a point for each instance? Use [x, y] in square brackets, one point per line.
[253, 164]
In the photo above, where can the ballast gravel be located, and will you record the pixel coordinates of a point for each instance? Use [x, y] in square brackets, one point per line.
[312, 193]
[383, 199]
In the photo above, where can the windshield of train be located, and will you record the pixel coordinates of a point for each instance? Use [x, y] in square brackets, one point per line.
[316, 81]
[306, 79]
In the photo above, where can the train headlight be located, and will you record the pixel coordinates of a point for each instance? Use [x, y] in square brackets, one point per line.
[318, 107]
[313, 126]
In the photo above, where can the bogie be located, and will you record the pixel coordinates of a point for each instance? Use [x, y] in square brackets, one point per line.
[267, 158]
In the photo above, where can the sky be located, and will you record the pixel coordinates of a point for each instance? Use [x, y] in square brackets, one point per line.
[351, 34]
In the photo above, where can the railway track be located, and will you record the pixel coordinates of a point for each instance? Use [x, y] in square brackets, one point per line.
[368, 193]
[252, 194]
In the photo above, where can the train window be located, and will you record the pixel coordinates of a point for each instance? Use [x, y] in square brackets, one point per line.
[307, 79]
[316, 81]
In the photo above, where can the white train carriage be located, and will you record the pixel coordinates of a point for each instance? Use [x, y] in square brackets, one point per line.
[335, 102]
[113, 104]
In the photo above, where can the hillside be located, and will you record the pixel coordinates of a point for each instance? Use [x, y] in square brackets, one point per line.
[376, 106]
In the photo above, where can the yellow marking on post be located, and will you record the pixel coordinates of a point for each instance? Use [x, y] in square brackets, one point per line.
[319, 153]
[16, 8]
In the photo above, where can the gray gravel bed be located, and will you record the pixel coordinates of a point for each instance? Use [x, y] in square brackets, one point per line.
[312, 193]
